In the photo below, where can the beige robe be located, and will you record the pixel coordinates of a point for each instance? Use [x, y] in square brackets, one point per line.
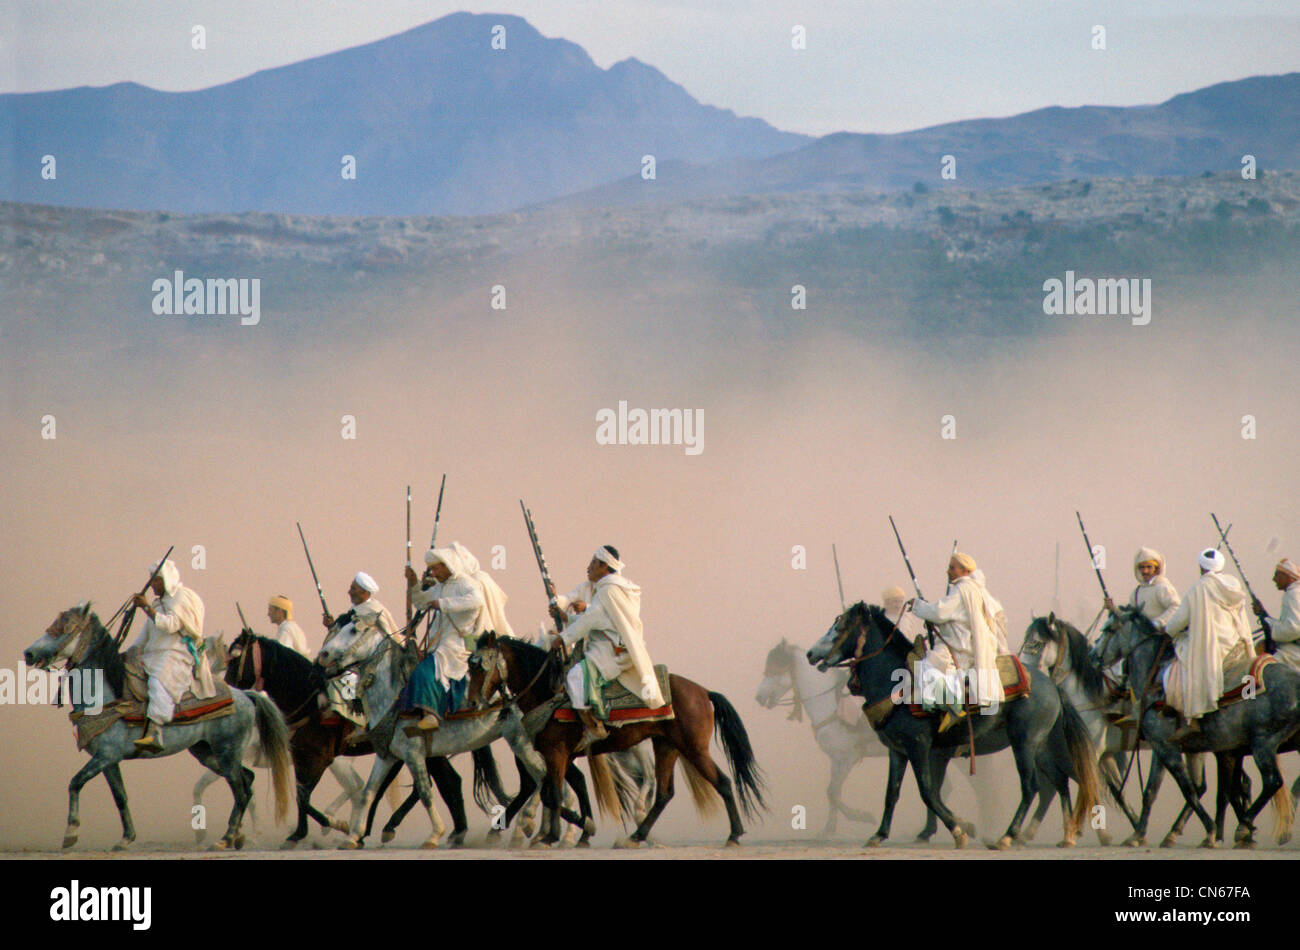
[291, 635]
[178, 616]
[967, 621]
[1208, 624]
[1285, 628]
[1157, 598]
[610, 624]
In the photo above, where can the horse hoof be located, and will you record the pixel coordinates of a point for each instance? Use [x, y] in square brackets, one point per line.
[1169, 841]
[1066, 843]
[1103, 839]
[123, 844]
[338, 824]
[528, 827]
[387, 836]
[1243, 833]
[543, 844]
[627, 843]
[732, 843]
[239, 841]
[289, 844]
[1133, 841]
[429, 844]
[589, 827]
[1247, 843]
[1209, 842]
[351, 844]
[583, 843]
[457, 840]
[922, 838]
[875, 841]
[1002, 844]
[221, 844]
[959, 837]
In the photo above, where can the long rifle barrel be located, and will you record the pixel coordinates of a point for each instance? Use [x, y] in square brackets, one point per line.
[408, 552]
[1091, 560]
[1223, 539]
[319, 593]
[130, 614]
[838, 582]
[902, 550]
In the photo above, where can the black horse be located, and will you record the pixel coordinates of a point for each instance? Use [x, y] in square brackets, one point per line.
[1044, 731]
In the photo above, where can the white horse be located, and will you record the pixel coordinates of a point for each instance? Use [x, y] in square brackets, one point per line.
[846, 744]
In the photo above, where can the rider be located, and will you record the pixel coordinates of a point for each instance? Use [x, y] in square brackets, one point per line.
[1155, 597]
[1210, 632]
[279, 611]
[609, 624]
[967, 642]
[1285, 630]
[170, 648]
[467, 602]
[348, 630]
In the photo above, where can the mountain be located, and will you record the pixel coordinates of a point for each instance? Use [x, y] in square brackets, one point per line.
[1206, 130]
[439, 123]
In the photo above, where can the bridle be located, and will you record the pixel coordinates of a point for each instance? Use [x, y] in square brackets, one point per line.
[502, 672]
[797, 700]
[858, 656]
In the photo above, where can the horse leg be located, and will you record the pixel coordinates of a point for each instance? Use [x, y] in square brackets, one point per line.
[390, 829]
[1265, 755]
[1027, 767]
[1109, 769]
[84, 775]
[447, 780]
[1046, 795]
[1172, 760]
[1139, 836]
[380, 768]
[113, 774]
[552, 794]
[351, 785]
[1196, 772]
[205, 779]
[584, 818]
[920, 759]
[525, 800]
[665, 761]
[415, 765]
[897, 769]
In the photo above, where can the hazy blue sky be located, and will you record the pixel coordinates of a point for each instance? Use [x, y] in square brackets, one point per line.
[869, 66]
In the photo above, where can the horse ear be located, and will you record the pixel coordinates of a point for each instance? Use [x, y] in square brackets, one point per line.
[1051, 617]
[84, 607]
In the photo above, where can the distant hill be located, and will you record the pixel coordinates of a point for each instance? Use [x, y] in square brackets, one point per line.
[439, 122]
[1206, 130]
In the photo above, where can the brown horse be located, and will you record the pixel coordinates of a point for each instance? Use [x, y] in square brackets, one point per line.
[525, 674]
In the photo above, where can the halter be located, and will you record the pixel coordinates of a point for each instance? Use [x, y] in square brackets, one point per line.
[503, 677]
[858, 656]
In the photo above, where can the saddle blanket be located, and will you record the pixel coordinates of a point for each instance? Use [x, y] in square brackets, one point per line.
[1013, 676]
[189, 710]
[623, 708]
[1240, 669]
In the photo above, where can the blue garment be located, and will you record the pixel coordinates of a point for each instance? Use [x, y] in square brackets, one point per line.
[426, 691]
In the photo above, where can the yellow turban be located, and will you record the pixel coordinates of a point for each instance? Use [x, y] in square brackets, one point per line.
[964, 561]
[284, 603]
[1289, 568]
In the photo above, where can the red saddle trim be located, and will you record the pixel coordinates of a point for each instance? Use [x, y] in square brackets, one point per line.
[192, 713]
[1233, 695]
[618, 715]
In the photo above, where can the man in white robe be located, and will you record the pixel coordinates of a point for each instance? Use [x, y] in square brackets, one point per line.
[467, 603]
[345, 637]
[1209, 627]
[610, 627]
[963, 660]
[1285, 630]
[894, 600]
[170, 648]
[1155, 596]
[279, 611]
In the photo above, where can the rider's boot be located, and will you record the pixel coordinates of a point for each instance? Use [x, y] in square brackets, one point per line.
[151, 741]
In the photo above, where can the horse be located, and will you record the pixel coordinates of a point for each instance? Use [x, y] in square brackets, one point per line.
[384, 662]
[79, 639]
[787, 670]
[1044, 732]
[1060, 650]
[523, 669]
[294, 683]
[1260, 726]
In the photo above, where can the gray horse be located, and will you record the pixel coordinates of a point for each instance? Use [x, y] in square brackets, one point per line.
[1257, 727]
[78, 637]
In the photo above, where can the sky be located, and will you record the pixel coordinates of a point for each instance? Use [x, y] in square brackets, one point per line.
[868, 65]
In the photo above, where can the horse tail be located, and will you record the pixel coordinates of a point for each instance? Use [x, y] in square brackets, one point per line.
[625, 785]
[487, 780]
[1284, 812]
[706, 797]
[1083, 757]
[273, 734]
[603, 788]
[735, 742]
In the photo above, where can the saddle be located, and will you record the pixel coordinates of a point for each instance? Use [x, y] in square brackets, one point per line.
[1237, 675]
[188, 711]
[623, 708]
[1011, 673]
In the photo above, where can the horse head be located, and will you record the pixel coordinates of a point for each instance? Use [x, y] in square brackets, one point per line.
[240, 661]
[488, 671]
[850, 634]
[778, 675]
[1124, 631]
[69, 636]
[1044, 642]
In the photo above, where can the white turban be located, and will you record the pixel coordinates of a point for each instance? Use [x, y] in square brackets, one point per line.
[366, 582]
[893, 595]
[1211, 560]
[449, 558]
[606, 556]
[171, 577]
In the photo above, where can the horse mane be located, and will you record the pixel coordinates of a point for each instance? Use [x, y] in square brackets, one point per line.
[778, 654]
[875, 616]
[1082, 661]
[274, 653]
[530, 657]
[106, 651]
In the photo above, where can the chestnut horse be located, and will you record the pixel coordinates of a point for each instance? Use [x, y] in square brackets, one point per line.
[525, 673]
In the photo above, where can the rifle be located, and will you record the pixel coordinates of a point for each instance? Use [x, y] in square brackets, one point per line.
[929, 627]
[247, 629]
[319, 593]
[838, 582]
[1269, 645]
[1105, 593]
[554, 609]
[130, 614]
[408, 552]
[433, 542]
